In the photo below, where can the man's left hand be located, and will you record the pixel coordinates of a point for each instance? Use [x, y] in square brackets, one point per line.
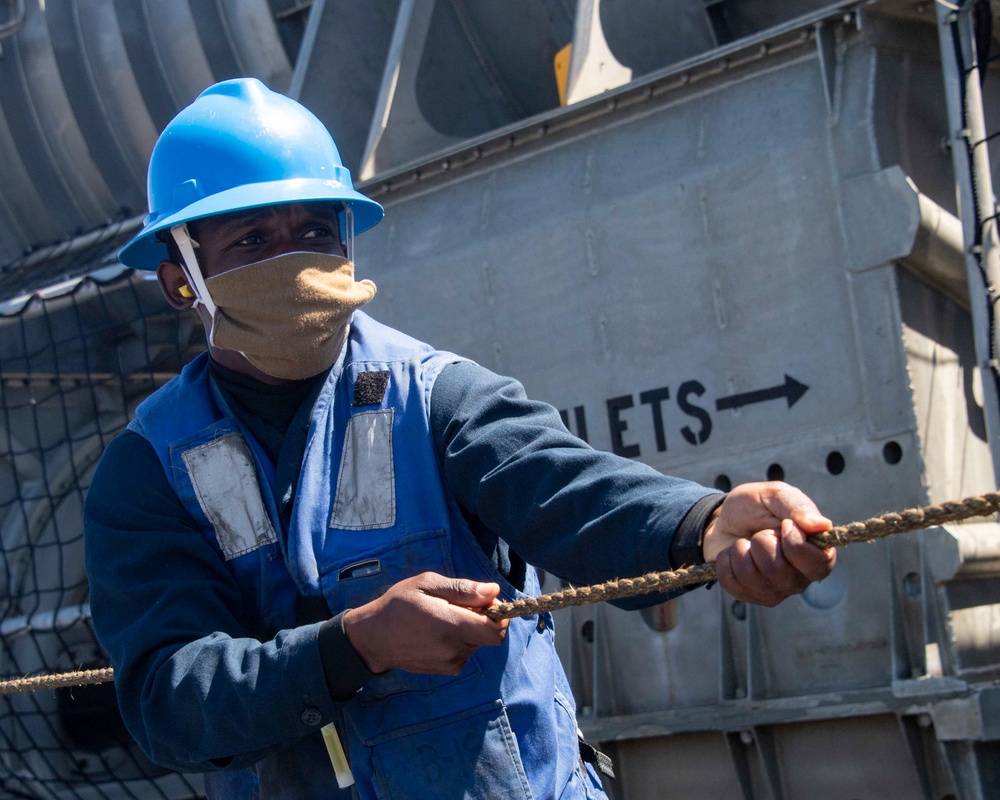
[757, 540]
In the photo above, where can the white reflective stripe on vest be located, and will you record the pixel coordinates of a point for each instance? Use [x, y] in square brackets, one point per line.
[224, 478]
[366, 483]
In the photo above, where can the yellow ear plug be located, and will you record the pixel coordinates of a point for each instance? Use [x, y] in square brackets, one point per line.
[185, 291]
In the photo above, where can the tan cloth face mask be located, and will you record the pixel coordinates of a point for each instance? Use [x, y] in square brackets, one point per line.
[289, 314]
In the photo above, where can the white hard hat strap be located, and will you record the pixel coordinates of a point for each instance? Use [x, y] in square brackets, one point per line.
[191, 268]
[349, 231]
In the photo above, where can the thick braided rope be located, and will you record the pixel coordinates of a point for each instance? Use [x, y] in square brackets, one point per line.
[867, 531]
[875, 528]
[86, 677]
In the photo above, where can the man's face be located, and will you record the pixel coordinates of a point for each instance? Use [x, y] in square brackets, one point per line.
[243, 237]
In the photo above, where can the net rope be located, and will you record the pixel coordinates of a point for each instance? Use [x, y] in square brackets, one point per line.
[75, 359]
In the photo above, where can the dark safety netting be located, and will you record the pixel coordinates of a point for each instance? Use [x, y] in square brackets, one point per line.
[75, 360]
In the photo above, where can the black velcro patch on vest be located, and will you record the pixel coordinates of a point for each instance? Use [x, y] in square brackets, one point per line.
[369, 388]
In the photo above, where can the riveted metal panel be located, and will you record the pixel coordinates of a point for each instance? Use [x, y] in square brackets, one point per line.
[644, 268]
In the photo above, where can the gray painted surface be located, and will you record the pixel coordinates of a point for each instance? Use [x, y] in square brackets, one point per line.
[703, 242]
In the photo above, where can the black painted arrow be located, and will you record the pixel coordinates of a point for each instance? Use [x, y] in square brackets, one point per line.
[791, 389]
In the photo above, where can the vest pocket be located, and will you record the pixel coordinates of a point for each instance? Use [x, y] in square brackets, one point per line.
[360, 575]
[397, 682]
[471, 754]
[365, 574]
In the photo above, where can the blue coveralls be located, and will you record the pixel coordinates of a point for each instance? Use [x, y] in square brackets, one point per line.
[370, 511]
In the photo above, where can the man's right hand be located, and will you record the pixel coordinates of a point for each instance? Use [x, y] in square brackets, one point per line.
[424, 624]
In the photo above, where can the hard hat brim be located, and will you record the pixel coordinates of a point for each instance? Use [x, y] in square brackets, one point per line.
[146, 252]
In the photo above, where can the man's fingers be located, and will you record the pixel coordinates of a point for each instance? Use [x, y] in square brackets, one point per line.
[425, 624]
[477, 629]
[760, 542]
[738, 575]
[757, 571]
[456, 601]
[459, 591]
[463, 597]
[773, 569]
[813, 562]
[786, 502]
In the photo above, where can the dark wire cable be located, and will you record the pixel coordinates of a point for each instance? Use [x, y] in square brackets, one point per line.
[984, 140]
[977, 251]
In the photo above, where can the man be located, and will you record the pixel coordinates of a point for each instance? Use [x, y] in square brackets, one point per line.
[300, 528]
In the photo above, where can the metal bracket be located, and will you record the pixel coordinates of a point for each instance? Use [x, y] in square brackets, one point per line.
[826, 47]
[16, 22]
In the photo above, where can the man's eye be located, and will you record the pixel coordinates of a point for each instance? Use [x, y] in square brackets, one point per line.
[250, 240]
[316, 233]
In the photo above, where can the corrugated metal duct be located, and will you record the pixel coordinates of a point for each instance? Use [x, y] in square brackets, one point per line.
[85, 87]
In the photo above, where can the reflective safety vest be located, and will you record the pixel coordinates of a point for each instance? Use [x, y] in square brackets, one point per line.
[371, 510]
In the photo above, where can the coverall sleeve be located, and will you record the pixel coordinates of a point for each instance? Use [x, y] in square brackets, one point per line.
[579, 513]
[195, 691]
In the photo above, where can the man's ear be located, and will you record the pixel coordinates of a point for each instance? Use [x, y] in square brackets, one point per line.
[172, 278]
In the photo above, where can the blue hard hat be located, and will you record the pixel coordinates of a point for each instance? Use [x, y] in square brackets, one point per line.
[238, 146]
